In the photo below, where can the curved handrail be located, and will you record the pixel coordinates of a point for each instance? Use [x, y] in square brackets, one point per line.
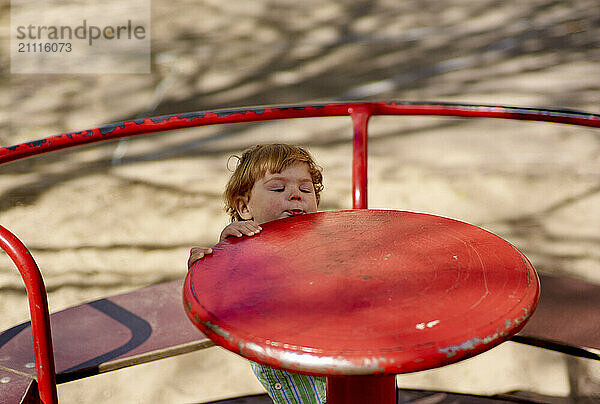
[254, 114]
[38, 310]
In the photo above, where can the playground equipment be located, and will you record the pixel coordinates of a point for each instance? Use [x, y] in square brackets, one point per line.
[139, 331]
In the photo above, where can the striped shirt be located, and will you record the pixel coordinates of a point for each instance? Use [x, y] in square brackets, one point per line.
[291, 388]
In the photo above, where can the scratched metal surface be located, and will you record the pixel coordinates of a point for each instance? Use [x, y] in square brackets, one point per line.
[362, 292]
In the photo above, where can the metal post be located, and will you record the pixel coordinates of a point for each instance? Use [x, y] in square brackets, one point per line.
[38, 310]
[361, 389]
[360, 120]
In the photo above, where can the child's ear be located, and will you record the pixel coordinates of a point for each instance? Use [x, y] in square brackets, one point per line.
[242, 208]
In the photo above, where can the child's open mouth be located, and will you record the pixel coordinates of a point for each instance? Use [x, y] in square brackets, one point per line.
[294, 212]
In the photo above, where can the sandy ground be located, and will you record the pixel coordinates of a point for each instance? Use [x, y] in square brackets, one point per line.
[112, 218]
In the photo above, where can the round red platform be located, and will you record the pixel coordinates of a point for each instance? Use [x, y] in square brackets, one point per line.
[361, 292]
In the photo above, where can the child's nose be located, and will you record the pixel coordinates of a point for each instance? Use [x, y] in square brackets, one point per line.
[295, 196]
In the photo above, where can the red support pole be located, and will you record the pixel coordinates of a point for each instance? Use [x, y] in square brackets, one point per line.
[360, 121]
[361, 389]
[38, 309]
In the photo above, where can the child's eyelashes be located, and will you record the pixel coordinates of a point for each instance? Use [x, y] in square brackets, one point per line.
[304, 188]
[281, 189]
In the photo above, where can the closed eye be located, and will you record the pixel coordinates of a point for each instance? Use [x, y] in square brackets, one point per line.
[278, 189]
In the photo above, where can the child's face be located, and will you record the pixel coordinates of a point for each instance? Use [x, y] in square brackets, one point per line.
[278, 195]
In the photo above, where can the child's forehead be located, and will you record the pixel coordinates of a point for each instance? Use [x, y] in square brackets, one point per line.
[298, 168]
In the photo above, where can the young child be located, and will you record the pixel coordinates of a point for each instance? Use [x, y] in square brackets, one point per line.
[273, 182]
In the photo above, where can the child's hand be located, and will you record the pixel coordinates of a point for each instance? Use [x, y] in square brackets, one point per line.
[239, 229]
[196, 253]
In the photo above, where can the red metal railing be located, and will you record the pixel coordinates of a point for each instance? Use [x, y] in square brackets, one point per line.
[38, 310]
[193, 119]
[360, 121]
[360, 112]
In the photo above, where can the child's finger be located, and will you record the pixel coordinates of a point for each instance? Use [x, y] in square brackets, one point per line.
[255, 226]
[196, 254]
[239, 229]
[231, 231]
[251, 228]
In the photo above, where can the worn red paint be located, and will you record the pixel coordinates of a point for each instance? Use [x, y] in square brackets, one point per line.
[192, 119]
[362, 292]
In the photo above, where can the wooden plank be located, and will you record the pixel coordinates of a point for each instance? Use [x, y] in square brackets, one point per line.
[109, 334]
[16, 387]
[568, 313]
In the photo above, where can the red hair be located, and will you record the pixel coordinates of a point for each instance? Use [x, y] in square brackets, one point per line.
[256, 161]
